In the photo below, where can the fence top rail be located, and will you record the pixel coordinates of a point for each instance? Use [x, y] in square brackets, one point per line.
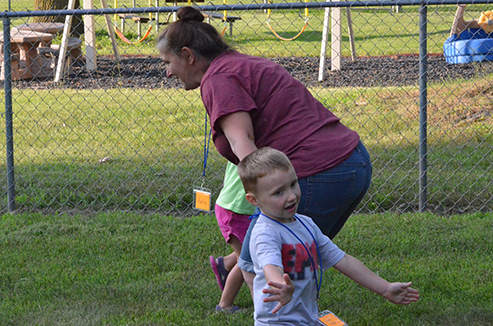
[252, 6]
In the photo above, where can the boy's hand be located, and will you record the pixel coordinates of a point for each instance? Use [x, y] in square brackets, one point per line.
[401, 293]
[281, 292]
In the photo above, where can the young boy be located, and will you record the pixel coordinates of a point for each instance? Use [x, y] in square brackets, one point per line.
[287, 248]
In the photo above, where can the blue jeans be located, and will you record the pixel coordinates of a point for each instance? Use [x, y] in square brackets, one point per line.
[328, 197]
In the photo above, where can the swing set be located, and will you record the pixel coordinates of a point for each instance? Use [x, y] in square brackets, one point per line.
[269, 11]
[331, 14]
[208, 15]
[138, 19]
[155, 21]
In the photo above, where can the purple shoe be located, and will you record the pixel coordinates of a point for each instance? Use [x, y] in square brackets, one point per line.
[230, 310]
[219, 271]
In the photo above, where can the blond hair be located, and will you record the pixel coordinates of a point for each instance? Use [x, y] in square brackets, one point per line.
[260, 163]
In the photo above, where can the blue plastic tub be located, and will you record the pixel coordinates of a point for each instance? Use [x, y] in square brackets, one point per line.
[470, 45]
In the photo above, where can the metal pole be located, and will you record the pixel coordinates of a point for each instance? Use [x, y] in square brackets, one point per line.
[8, 115]
[423, 115]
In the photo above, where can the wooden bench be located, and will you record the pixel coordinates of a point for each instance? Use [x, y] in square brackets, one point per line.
[51, 54]
[135, 18]
[74, 49]
[18, 68]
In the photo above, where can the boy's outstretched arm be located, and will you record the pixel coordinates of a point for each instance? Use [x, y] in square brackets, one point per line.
[281, 287]
[398, 293]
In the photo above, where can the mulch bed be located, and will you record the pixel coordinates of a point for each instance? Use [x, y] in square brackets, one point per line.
[150, 72]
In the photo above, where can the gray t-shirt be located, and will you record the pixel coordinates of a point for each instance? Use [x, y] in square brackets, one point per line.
[274, 244]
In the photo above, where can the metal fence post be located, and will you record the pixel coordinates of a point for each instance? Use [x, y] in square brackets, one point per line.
[423, 81]
[8, 115]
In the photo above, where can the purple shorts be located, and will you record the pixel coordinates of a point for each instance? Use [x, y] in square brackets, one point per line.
[231, 223]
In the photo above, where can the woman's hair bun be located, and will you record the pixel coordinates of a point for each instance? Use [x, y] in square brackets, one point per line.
[190, 14]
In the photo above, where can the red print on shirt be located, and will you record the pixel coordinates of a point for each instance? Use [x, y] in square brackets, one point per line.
[295, 259]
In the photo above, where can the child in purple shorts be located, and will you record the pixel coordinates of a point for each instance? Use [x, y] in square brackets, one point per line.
[232, 214]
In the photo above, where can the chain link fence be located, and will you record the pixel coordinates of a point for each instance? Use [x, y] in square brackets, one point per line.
[97, 126]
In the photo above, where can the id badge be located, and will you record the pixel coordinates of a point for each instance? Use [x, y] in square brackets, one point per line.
[202, 199]
[328, 318]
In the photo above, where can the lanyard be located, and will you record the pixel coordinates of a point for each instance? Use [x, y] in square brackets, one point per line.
[206, 145]
[318, 282]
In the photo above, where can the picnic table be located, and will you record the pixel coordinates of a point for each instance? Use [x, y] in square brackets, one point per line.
[51, 28]
[26, 62]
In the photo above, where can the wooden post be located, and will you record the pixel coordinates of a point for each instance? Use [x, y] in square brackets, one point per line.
[90, 37]
[336, 40]
[157, 18]
[323, 49]
[63, 46]
[351, 34]
[111, 31]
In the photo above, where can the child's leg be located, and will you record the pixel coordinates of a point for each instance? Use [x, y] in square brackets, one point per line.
[230, 261]
[230, 224]
[232, 287]
[245, 259]
[233, 227]
[248, 277]
[235, 278]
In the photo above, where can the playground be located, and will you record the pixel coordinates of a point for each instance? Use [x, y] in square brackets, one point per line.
[106, 160]
[376, 93]
[123, 46]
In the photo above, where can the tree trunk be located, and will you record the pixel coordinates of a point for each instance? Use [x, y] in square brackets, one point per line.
[77, 22]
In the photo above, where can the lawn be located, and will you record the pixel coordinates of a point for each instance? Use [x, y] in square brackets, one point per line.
[140, 269]
[126, 268]
[131, 269]
[155, 137]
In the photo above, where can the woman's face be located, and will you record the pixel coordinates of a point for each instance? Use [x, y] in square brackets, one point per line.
[183, 67]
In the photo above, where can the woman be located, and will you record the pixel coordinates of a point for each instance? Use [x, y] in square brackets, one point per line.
[252, 103]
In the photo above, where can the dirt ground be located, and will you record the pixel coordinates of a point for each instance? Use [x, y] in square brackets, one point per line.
[149, 72]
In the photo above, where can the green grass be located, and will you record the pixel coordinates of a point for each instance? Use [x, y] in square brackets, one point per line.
[129, 269]
[156, 137]
[63, 133]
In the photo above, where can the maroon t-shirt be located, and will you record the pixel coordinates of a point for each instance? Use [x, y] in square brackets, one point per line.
[285, 115]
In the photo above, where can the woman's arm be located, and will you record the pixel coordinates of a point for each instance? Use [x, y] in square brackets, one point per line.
[238, 129]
